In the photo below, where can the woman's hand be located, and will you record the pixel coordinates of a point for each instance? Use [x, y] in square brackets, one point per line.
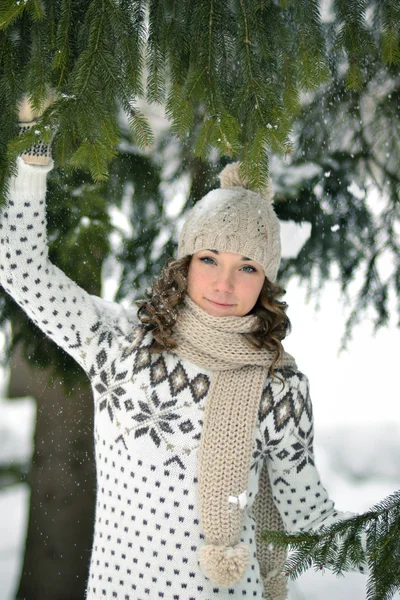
[40, 152]
[27, 114]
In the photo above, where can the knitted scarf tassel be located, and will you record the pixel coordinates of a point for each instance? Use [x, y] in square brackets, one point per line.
[231, 412]
[271, 559]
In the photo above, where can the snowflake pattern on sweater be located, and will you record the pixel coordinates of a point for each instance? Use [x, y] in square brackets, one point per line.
[148, 419]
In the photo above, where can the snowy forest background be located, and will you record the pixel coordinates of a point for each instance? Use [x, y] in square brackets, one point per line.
[337, 195]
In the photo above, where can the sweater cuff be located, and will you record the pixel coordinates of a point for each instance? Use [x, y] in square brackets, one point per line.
[29, 180]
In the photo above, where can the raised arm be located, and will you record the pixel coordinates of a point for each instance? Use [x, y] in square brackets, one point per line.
[75, 320]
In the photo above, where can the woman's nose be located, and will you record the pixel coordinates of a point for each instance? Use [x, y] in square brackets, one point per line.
[223, 283]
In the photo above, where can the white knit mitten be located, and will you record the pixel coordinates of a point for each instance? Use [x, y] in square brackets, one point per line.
[40, 152]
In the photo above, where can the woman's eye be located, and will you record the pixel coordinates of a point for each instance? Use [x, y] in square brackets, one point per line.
[249, 269]
[207, 259]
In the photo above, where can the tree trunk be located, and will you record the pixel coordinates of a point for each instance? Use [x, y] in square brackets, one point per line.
[62, 482]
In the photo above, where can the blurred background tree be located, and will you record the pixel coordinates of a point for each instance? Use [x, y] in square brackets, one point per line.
[312, 82]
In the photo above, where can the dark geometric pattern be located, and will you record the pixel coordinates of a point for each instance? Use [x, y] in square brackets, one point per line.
[142, 360]
[108, 384]
[38, 150]
[158, 371]
[157, 413]
[303, 401]
[175, 460]
[283, 411]
[155, 417]
[178, 380]
[303, 448]
[133, 341]
[288, 403]
[199, 386]
[264, 450]
[103, 335]
[267, 401]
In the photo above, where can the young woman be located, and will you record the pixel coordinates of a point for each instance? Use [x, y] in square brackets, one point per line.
[203, 424]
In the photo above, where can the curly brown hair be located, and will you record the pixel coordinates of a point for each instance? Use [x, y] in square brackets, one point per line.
[159, 311]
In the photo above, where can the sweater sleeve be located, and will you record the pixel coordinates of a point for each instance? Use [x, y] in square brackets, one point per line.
[288, 428]
[75, 320]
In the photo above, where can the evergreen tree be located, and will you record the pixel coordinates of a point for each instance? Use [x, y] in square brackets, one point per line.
[350, 195]
[241, 64]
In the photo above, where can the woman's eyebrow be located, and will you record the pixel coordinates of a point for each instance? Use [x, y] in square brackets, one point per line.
[245, 258]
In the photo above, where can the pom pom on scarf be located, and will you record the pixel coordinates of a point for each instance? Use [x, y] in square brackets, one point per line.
[224, 565]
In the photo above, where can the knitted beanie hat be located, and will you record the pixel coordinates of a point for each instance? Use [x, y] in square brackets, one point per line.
[235, 219]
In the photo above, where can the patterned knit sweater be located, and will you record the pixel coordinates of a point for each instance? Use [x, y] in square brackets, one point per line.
[148, 418]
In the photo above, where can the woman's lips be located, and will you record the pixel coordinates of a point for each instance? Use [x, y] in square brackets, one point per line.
[220, 304]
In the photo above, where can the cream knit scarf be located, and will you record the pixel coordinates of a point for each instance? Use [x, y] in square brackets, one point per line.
[231, 411]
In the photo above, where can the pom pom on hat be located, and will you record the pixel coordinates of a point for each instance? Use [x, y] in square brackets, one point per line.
[230, 177]
[224, 565]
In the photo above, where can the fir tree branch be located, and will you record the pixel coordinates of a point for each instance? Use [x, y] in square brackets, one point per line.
[339, 547]
[238, 62]
[86, 63]
[9, 12]
[60, 60]
[36, 9]
[391, 28]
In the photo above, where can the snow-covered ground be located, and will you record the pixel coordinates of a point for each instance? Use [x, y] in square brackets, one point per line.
[13, 523]
[17, 418]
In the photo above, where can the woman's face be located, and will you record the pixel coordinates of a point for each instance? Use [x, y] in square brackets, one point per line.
[224, 284]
